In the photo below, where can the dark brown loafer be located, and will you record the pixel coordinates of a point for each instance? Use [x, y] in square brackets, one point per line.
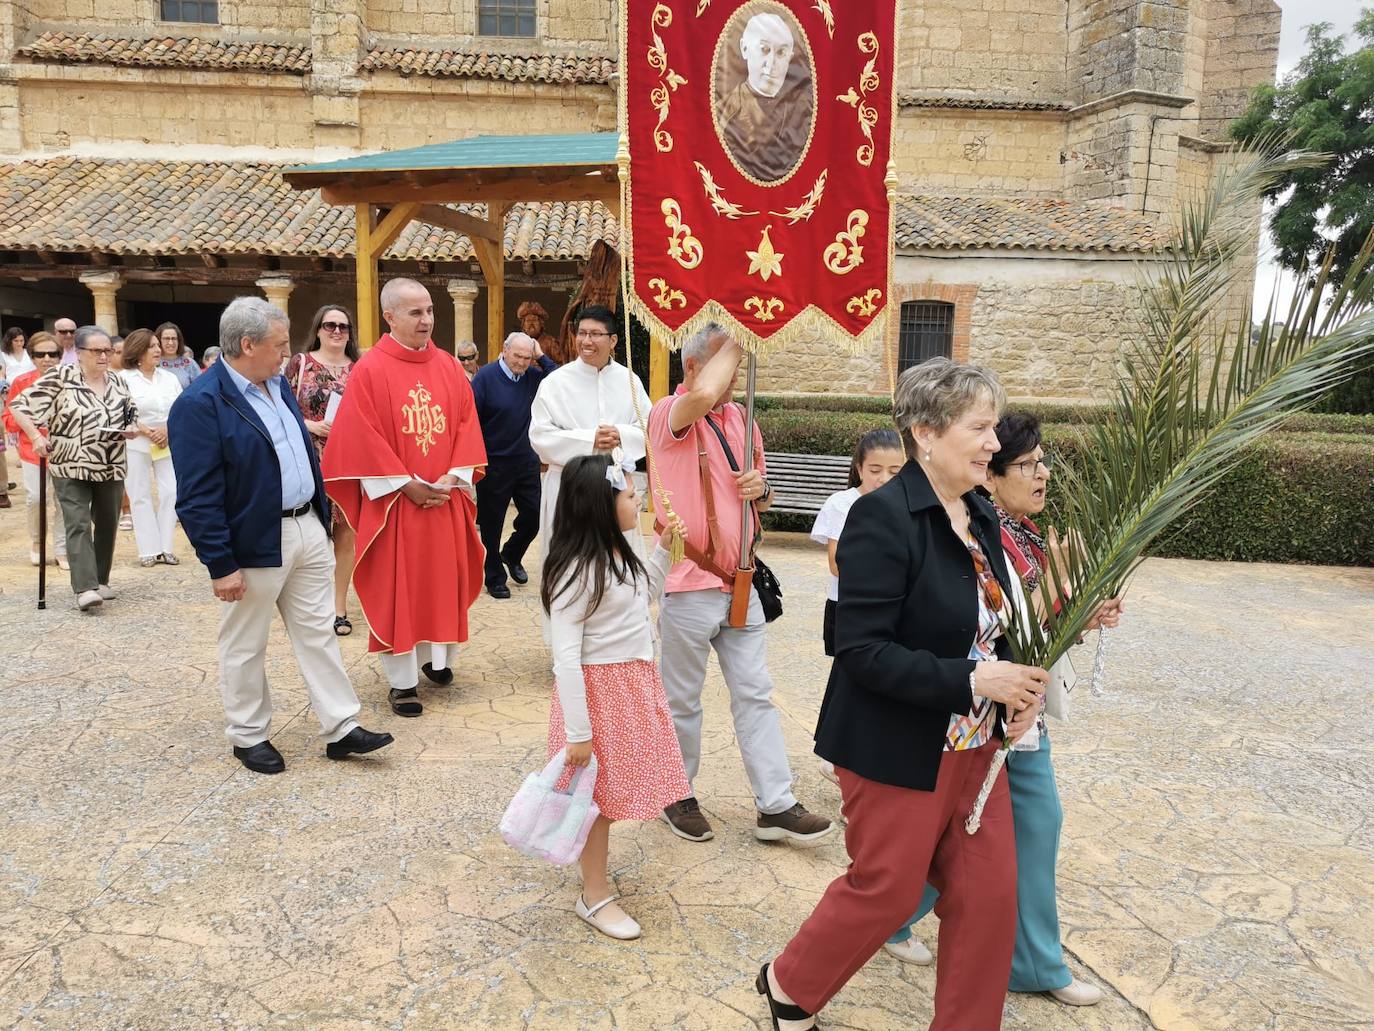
[795, 824]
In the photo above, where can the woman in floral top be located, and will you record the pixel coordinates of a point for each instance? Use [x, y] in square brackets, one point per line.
[89, 414]
[176, 356]
[315, 374]
[1018, 476]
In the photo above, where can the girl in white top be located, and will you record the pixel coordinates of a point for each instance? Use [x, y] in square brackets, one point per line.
[877, 459]
[153, 390]
[609, 698]
[14, 355]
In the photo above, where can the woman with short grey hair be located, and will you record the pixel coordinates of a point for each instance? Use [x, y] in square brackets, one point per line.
[89, 414]
[922, 690]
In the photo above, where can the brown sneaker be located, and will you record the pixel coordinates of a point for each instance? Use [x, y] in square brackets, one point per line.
[795, 823]
[686, 820]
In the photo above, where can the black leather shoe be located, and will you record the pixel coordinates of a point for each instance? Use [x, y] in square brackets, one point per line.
[357, 742]
[261, 758]
[498, 591]
[516, 570]
[441, 677]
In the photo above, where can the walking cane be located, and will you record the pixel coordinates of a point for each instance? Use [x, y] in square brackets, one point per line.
[42, 533]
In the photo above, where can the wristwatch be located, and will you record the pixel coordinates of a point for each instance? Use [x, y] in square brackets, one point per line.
[767, 490]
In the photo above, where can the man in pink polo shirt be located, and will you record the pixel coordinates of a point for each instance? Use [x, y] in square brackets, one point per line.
[695, 615]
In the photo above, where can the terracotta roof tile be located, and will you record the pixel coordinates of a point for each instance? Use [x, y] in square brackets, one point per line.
[478, 64]
[169, 52]
[168, 207]
[1021, 223]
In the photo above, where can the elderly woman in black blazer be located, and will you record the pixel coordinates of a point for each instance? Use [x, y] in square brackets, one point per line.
[921, 693]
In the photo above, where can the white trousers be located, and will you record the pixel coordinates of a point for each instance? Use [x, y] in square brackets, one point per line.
[302, 590]
[56, 526]
[154, 524]
[690, 624]
[402, 671]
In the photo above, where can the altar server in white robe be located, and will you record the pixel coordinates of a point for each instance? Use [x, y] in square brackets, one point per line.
[584, 407]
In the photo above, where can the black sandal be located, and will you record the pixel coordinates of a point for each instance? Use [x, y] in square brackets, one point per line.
[779, 1010]
[342, 627]
[405, 703]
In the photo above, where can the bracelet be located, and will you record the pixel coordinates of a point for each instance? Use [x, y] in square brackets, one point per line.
[972, 675]
[767, 491]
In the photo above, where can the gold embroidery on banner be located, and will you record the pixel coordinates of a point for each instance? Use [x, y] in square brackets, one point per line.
[807, 207]
[718, 202]
[866, 305]
[868, 82]
[683, 247]
[701, 7]
[669, 80]
[846, 253]
[666, 297]
[422, 419]
[765, 310]
[765, 261]
[824, 7]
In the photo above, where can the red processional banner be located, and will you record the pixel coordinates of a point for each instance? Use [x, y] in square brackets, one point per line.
[760, 175]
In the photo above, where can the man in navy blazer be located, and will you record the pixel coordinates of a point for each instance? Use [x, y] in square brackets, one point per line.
[252, 503]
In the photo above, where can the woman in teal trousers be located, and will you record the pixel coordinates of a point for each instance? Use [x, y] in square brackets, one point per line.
[1018, 477]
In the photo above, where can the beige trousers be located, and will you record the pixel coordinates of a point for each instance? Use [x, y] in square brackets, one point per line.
[302, 590]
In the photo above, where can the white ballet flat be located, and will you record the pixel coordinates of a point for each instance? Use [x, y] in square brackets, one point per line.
[623, 930]
[910, 951]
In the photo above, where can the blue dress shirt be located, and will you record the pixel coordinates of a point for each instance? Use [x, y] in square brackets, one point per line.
[297, 480]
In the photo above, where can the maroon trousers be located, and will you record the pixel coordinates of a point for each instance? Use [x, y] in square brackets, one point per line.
[897, 840]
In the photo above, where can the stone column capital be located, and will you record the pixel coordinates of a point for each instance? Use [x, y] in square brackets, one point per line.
[462, 290]
[277, 286]
[104, 279]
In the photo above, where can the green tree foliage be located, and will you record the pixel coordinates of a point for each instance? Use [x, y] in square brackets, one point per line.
[1326, 106]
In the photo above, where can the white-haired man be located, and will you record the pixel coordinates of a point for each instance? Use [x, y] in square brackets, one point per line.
[766, 119]
[250, 498]
[698, 440]
[400, 463]
[504, 393]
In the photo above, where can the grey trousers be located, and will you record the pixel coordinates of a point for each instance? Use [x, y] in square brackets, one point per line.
[91, 511]
[690, 624]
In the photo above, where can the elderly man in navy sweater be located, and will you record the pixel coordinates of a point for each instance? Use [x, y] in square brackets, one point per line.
[504, 391]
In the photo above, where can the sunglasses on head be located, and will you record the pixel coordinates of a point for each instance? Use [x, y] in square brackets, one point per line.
[335, 327]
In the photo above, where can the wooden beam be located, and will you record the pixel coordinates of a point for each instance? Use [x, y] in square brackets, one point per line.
[365, 221]
[96, 258]
[658, 367]
[386, 231]
[460, 222]
[48, 257]
[492, 257]
[212, 261]
[510, 192]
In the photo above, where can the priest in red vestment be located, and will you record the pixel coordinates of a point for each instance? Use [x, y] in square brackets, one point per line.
[400, 463]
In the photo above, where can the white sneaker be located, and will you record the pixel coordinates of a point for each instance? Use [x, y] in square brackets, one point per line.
[106, 592]
[1078, 993]
[89, 600]
[624, 930]
[910, 951]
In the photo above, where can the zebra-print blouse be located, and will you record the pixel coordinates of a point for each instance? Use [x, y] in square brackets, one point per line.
[81, 446]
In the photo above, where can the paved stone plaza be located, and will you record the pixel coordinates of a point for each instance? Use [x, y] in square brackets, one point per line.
[1217, 868]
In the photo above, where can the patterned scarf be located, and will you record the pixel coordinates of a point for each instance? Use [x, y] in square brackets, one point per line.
[1026, 536]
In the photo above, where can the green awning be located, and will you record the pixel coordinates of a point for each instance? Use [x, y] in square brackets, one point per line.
[511, 153]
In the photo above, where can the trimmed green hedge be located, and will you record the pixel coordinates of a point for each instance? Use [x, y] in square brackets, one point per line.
[1295, 497]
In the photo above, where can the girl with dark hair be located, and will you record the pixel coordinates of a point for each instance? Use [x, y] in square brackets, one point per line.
[176, 356]
[877, 458]
[316, 374]
[610, 700]
[14, 355]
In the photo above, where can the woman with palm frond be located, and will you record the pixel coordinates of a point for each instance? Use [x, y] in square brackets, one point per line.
[921, 690]
[1018, 479]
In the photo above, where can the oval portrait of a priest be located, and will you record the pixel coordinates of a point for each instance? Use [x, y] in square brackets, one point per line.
[764, 92]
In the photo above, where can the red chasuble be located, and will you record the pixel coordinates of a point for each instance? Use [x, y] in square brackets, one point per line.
[408, 413]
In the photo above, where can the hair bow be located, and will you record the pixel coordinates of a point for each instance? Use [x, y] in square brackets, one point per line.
[615, 474]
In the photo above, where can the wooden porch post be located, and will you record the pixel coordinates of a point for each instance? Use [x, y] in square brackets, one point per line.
[366, 263]
[491, 255]
[658, 367]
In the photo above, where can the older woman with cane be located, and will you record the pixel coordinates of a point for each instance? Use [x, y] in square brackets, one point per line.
[89, 415]
[922, 689]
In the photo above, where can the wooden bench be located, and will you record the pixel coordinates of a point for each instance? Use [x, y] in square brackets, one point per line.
[801, 483]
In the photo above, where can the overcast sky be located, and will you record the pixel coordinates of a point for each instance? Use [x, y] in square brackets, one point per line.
[1297, 15]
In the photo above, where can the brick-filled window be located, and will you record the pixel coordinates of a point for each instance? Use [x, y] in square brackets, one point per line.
[927, 331]
[205, 12]
[505, 17]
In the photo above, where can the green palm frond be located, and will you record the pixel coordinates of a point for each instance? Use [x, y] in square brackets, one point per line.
[1193, 393]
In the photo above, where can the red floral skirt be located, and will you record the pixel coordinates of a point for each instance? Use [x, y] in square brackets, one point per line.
[638, 761]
